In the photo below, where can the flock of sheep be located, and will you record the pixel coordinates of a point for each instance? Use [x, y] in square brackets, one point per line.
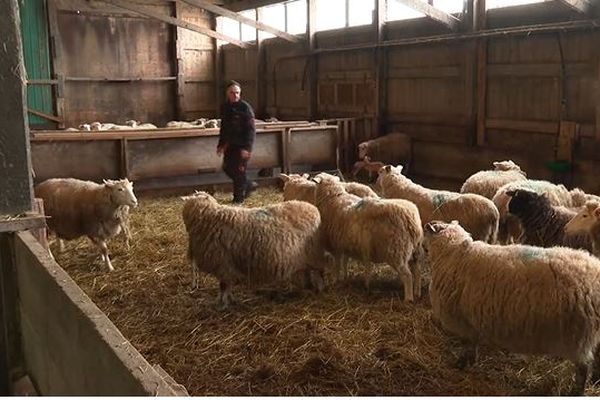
[131, 124]
[513, 261]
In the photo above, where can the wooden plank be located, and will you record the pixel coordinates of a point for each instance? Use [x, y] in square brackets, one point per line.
[124, 159]
[57, 57]
[581, 6]
[249, 4]
[207, 5]
[598, 96]
[481, 90]
[549, 127]
[539, 70]
[566, 138]
[175, 21]
[432, 119]
[179, 67]
[120, 79]
[23, 223]
[443, 72]
[44, 115]
[313, 77]
[434, 13]
[42, 81]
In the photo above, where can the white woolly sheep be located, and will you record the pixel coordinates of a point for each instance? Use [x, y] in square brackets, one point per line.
[372, 230]
[528, 300]
[587, 221]
[252, 245]
[392, 148]
[487, 183]
[477, 214]
[139, 125]
[81, 208]
[299, 187]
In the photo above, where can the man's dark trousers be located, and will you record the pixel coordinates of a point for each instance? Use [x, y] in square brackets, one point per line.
[235, 168]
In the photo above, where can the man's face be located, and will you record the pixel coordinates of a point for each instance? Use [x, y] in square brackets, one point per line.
[234, 94]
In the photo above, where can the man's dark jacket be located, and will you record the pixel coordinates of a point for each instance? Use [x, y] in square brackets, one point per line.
[237, 125]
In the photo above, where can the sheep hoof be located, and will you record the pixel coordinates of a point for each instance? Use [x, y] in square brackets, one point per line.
[467, 357]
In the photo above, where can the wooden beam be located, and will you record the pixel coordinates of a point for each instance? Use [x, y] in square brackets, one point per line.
[250, 4]
[313, 86]
[175, 21]
[481, 62]
[598, 95]
[380, 68]
[434, 13]
[261, 71]
[581, 6]
[23, 223]
[207, 5]
[179, 54]
[45, 116]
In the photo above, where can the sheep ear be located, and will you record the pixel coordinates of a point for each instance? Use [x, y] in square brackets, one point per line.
[597, 212]
[511, 193]
[387, 168]
[496, 163]
[433, 227]
[454, 222]
[399, 168]
[305, 176]
[317, 179]
[284, 177]
[185, 198]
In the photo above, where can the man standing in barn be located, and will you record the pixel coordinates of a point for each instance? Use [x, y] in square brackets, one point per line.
[236, 139]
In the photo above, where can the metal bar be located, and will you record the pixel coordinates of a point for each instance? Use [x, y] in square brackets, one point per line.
[175, 21]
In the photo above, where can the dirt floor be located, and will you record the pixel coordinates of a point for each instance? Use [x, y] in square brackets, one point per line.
[341, 342]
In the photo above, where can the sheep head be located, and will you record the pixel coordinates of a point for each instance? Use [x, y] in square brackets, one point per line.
[585, 220]
[526, 201]
[121, 192]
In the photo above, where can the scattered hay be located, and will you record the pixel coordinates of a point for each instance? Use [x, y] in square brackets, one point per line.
[341, 342]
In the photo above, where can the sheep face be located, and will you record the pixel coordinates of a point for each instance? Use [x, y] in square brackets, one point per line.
[95, 126]
[85, 127]
[201, 197]
[121, 192]
[385, 172]
[322, 177]
[438, 232]
[132, 122]
[585, 220]
[362, 150]
[525, 201]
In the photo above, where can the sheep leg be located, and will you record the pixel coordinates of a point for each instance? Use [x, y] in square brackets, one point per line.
[407, 281]
[415, 267]
[104, 253]
[127, 234]
[341, 263]
[195, 275]
[596, 366]
[468, 356]
[225, 297]
[61, 245]
[368, 276]
[582, 370]
[316, 280]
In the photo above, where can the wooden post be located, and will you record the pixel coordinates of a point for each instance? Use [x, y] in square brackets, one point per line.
[261, 71]
[380, 68]
[179, 67]
[218, 71]
[598, 97]
[57, 58]
[16, 194]
[479, 23]
[313, 60]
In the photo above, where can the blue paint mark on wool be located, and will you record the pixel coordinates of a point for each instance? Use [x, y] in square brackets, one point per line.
[263, 213]
[439, 199]
[358, 205]
[529, 253]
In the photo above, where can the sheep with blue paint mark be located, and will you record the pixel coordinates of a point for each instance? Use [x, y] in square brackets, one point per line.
[372, 230]
[527, 300]
[300, 187]
[252, 245]
[477, 214]
[487, 183]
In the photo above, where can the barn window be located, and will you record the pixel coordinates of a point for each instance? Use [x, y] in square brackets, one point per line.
[449, 6]
[509, 3]
[360, 12]
[331, 14]
[273, 16]
[229, 27]
[398, 11]
[248, 32]
[296, 16]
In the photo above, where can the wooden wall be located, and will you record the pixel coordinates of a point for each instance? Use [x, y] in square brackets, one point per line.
[431, 92]
[117, 65]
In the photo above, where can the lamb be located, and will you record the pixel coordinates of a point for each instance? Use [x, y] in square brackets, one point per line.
[372, 230]
[393, 148]
[252, 245]
[487, 183]
[197, 123]
[212, 123]
[477, 214]
[299, 187]
[587, 221]
[543, 224]
[367, 164]
[529, 300]
[82, 208]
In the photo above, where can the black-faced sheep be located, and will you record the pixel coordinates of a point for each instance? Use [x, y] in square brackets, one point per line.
[525, 299]
[542, 223]
[81, 208]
